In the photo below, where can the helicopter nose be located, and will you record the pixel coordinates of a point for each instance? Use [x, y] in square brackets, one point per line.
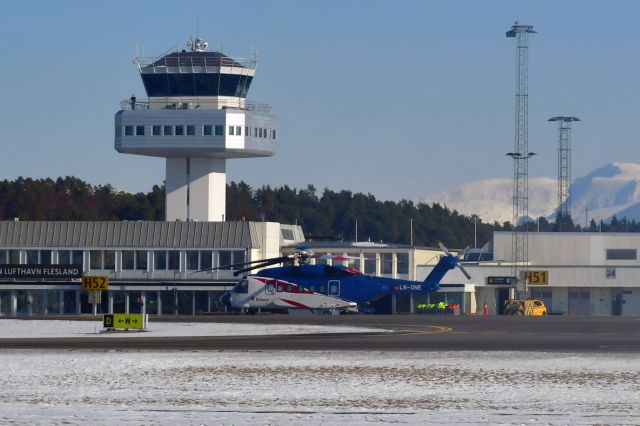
[225, 299]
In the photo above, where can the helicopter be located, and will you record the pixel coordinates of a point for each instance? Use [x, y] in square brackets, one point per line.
[322, 288]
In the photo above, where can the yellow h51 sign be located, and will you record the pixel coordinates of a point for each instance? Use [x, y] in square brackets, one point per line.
[536, 277]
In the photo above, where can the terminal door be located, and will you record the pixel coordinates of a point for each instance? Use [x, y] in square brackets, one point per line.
[502, 295]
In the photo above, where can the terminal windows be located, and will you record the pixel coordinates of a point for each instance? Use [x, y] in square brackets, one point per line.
[238, 130]
[246, 131]
[95, 259]
[273, 134]
[231, 128]
[160, 263]
[128, 260]
[205, 259]
[168, 130]
[179, 130]
[192, 260]
[191, 130]
[622, 254]
[141, 260]
[207, 130]
[403, 263]
[157, 130]
[174, 260]
[139, 130]
[128, 130]
[219, 130]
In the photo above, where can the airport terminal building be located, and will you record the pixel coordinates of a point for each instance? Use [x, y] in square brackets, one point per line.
[577, 273]
[152, 267]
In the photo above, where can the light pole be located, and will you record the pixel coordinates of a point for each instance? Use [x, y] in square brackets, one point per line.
[520, 216]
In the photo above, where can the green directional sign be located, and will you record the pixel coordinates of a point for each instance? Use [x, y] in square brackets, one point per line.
[123, 321]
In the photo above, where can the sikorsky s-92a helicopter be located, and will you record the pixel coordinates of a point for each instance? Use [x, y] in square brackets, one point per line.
[322, 288]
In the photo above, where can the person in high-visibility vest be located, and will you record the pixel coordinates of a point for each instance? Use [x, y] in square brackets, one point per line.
[442, 307]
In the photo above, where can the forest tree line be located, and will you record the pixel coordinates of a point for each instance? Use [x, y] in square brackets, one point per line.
[328, 215]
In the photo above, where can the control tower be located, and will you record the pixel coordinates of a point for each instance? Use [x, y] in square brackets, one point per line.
[196, 116]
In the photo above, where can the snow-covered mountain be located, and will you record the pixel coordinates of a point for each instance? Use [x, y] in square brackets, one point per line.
[613, 189]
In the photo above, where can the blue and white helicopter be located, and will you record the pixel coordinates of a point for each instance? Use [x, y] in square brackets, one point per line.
[322, 288]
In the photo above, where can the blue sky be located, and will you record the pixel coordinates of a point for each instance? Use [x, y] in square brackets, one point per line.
[399, 99]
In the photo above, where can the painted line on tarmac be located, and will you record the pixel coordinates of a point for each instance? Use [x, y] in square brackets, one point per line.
[419, 329]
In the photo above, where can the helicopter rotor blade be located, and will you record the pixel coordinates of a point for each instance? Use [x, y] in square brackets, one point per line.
[444, 248]
[464, 271]
[264, 264]
[253, 262]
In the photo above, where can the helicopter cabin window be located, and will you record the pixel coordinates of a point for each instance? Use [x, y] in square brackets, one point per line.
[242, 287]
[219, 130]
[289, 288]
[279, 287]
[312, 288]
[321, 289]
[270, 288]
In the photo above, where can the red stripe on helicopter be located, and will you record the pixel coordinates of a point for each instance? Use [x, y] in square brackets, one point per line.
[296, 304]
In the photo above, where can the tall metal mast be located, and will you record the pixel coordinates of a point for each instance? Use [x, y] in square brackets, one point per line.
[521, 154]
[564, 164]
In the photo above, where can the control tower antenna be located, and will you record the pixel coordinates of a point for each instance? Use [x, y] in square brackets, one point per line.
[564, 164]
[521, 155]
[196, 117]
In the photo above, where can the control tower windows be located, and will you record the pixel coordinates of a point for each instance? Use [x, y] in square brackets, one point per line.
[139, 130]
[191, 130]
[157, 130]
[128, 130]
[168, 130]
[179, 130]
[207, 130]
[219, 130]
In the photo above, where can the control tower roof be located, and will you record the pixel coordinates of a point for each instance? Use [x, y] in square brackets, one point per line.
[196, 73]
[188, 59]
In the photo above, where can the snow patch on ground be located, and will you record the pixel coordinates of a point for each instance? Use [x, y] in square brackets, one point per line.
[14, 328]
[313, 388]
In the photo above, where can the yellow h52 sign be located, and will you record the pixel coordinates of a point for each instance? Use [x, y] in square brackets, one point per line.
[536, 277]
[95, 283]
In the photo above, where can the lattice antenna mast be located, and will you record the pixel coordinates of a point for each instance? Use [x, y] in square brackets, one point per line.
[564, 164]
[521, 153]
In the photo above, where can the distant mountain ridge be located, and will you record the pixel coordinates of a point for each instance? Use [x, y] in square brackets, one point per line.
[613, 189]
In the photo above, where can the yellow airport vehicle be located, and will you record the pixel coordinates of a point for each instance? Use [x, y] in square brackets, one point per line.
[529, 307]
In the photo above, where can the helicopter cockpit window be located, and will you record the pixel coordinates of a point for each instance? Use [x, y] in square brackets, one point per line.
[279, 287]
[321, 289]
[289, 288]
[242, 287]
